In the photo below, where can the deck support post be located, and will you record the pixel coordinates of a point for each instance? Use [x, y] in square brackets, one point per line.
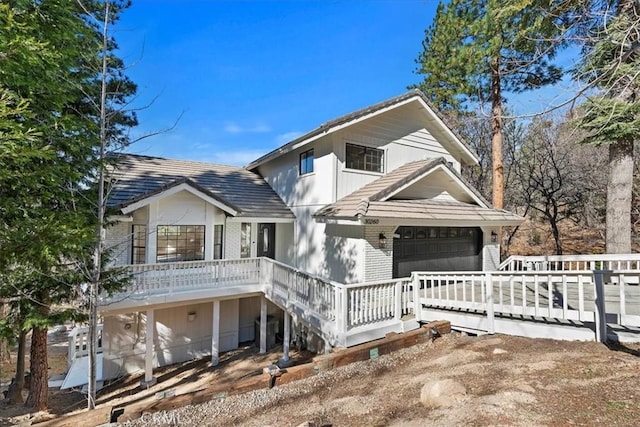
[150, 327]
[263, 324]
[285, 338]
[488, 287]
[215, 333]
[599, 277]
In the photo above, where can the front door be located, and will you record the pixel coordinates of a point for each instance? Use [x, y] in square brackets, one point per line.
[267, 240]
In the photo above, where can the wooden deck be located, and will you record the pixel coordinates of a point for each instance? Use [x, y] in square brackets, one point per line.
[560, 302]
[563, 303]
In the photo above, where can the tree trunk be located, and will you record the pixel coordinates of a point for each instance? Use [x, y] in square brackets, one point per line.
[496, 140]
[39, 384]
[14, 394]
[556, 235]
[619, 195]
[39, 387]
[5, 354]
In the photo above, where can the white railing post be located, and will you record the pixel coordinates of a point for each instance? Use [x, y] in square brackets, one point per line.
[71, 350]
[417, 305]
[488, 287]
[398, 300]
[172, 278]
[342, 313]
[600, 309]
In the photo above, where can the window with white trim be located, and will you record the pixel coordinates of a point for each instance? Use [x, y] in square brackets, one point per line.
[139, 244]
[217, 241]
[364, 158]
[180, 243]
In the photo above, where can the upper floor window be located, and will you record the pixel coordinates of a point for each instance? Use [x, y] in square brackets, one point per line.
[364, 158]
[218, 232]
[139, 244]
[306, 162]
[180, 243]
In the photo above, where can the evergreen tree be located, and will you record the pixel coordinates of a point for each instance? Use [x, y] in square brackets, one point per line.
[51, 86]
[475, 50]
[611, 115]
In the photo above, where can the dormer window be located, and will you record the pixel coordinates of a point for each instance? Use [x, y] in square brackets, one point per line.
[364, 158]
[306, 162]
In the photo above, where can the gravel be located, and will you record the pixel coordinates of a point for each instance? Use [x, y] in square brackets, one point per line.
[237, 409]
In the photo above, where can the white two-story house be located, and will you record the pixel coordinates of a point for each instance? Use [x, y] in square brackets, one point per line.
[314, 241]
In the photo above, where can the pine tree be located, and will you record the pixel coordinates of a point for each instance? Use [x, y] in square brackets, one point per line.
[476, 50]
[52, 75]
[611, 115]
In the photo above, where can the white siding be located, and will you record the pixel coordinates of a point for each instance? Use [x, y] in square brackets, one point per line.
[314, 189]
[118, 241]
[490, 250]
[438, 185]
[177, 339]
[405, 135]
[343, 253]
[182, 208]
[232, 240]
[402, 143]
[378, 262]
[285, 243]
[123, 349]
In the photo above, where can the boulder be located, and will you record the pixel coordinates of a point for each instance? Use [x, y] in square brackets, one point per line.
[441, 393]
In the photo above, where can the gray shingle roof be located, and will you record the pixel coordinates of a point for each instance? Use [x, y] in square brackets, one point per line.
[371, 200]
[138, 177]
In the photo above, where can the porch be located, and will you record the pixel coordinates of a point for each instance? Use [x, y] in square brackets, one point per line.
[568, 297]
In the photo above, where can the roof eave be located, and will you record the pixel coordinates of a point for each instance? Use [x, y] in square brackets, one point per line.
[365, 113]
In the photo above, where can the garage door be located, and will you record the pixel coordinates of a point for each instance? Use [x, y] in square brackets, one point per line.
[436, 249]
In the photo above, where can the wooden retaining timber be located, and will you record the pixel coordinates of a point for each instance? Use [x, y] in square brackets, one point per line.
[339, 357]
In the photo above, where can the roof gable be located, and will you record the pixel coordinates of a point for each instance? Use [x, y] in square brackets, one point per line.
[432, 116]
[183, 184]
[398, 194]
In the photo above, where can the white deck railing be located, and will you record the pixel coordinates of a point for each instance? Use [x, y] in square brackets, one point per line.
[345, 307]
[79, 342]
[149, 279]
[377, 301]
[572, 262]
[554, 295]
[334, 307]
[541, 287]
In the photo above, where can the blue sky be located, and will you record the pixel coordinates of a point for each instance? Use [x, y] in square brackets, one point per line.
[247, 76]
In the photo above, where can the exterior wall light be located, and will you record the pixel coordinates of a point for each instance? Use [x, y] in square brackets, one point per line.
[382, 241]
[191, 316]
[494, 237]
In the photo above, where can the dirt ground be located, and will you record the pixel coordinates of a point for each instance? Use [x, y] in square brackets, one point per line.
[179, 378]
[506, 381]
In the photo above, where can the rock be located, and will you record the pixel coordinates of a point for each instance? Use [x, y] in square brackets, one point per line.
[439, 393]
[499, 351]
